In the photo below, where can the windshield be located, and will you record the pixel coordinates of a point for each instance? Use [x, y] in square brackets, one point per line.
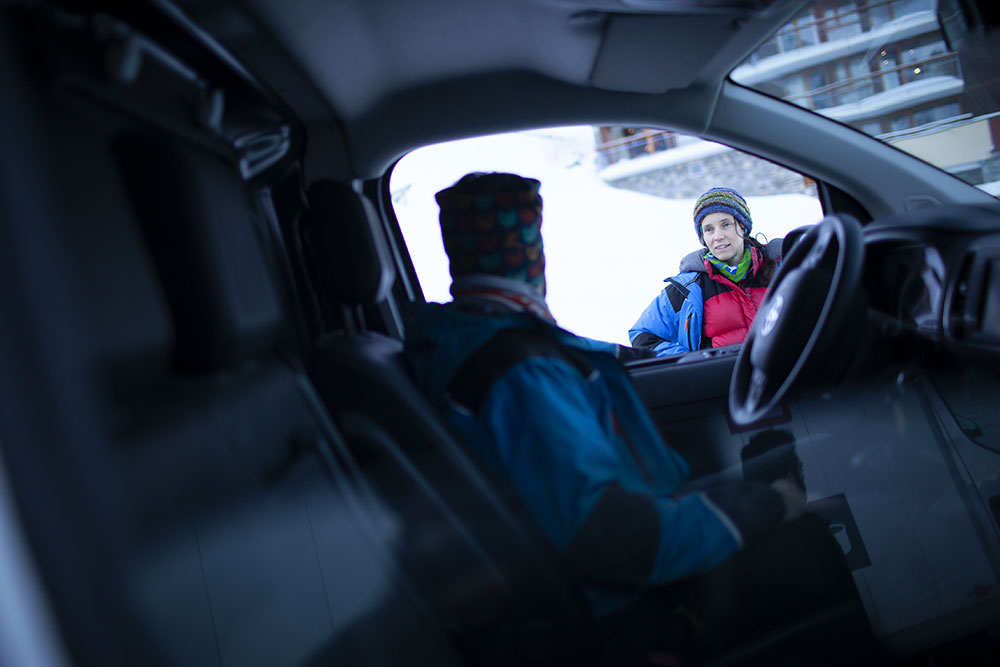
[885, 68]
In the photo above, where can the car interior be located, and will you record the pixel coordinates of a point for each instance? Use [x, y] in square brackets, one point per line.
[211, 448]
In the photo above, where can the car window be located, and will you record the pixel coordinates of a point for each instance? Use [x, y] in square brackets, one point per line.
[617, 214]
[885, 68]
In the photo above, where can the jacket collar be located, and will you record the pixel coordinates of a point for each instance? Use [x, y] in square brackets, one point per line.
[499, 296]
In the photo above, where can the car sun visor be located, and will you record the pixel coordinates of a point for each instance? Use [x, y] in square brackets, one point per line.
[654, 54]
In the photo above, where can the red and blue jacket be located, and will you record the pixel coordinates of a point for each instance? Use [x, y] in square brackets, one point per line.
[700, 308]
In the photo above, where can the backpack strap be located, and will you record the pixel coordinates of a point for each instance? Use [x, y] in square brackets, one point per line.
[473, 379]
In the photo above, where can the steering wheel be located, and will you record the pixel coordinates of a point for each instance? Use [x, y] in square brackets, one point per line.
[809, 299]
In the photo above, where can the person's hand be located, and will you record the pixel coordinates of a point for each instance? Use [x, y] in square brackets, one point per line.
[793, 496]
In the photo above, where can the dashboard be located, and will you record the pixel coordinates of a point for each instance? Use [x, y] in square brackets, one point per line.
[936, 272]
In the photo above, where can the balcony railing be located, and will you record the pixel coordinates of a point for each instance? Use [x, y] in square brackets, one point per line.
[831, 27]
[846, 91]
[639, 144]
[855, 88]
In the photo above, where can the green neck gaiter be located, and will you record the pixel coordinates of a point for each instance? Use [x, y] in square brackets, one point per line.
[735, 273]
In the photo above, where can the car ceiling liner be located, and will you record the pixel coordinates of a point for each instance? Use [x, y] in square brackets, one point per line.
[652, 46]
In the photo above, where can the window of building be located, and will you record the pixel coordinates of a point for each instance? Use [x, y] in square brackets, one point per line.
[914, 60]
[794, 87]
[626, 143]
[799, 33]
[838, 19]
[876, 13]
[822, 97]
[927, 60]
[832, 20]
[887, 61]
[936, 113]
[871, 127]
[854, 77]
[903, 7]
[874, 84]
[788, 39]
[767, 49]
[901, 122]
[925, 115]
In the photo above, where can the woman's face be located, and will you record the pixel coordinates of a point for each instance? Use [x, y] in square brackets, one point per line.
[723, 236]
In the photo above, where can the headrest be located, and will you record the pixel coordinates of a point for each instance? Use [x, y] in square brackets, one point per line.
[205, 241]
[348, 255]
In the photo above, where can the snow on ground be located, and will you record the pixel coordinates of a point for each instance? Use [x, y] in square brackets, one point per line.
[607, 250]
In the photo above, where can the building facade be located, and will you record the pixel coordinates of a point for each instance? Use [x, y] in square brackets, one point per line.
[881, 66]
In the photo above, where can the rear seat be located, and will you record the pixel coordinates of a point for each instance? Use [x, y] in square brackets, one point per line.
[250, 542]
[485, 567]
[187, 497]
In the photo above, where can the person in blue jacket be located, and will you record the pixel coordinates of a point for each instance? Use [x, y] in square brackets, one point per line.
[714, 299]
[557, 414]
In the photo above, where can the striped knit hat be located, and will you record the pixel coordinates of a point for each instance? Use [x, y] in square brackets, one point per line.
[491, 224]
[722, 200]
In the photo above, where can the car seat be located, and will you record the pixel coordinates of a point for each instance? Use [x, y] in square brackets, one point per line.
[482, 564]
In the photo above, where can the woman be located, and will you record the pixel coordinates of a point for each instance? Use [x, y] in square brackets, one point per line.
[714, 299]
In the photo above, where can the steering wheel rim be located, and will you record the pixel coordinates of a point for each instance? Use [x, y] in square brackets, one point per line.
[793, 328]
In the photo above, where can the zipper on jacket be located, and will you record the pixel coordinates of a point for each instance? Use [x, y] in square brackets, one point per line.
[687, 328]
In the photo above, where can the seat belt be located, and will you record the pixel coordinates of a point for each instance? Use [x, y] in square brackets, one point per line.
[470, 384]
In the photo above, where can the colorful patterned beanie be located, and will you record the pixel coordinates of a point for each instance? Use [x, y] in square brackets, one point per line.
[491, 223]
[722, 200]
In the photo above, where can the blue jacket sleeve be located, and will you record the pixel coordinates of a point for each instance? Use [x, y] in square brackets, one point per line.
[554, 437]
[680, 330]
[549, 437]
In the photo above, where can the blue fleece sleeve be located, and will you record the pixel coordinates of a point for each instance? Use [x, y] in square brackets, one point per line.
[549, 437]
[661, 320]
[563, 457]
[695, 536]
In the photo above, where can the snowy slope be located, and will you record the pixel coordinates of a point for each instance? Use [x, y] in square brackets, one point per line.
[607, 250]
